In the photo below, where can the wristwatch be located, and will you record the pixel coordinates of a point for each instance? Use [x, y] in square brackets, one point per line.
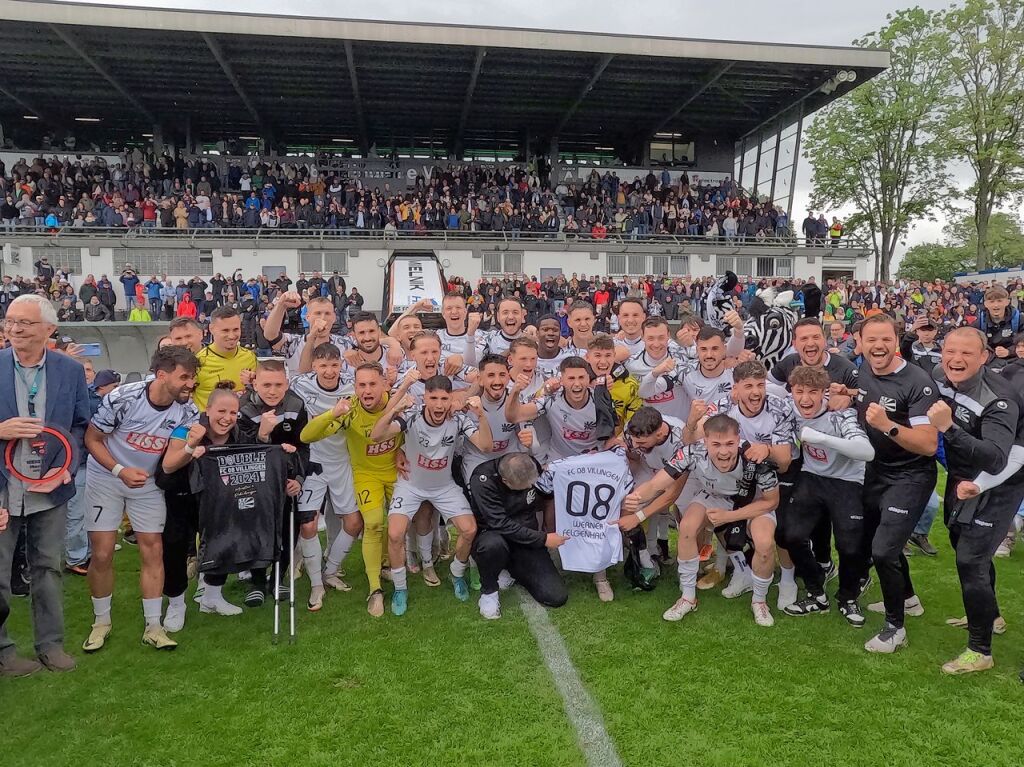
[893, 431]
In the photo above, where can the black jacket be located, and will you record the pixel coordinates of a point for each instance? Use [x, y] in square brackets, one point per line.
[513, 513]
[292, 412]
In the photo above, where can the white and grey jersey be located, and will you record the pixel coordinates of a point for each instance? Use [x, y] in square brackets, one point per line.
[494, 342]
[726, 486]
[573, 430]
[633, 345]
[664, 392]
[541, 430]
[418, 389]
[429, 449]
[659, 455]
[550, 366]
[295, 343]
[137, 430]
[698, 386]
[453, 343]
[774, 425]
[824, 461]
[333, 450]
[503, 434]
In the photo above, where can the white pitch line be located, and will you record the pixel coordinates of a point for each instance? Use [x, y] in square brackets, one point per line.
[581, 709]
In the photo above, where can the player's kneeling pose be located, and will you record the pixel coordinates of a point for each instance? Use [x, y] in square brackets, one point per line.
[736, 495]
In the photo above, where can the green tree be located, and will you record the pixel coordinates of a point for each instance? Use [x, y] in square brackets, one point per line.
[983, 114]
[875, 149]
[1005, 240]
[931, 260]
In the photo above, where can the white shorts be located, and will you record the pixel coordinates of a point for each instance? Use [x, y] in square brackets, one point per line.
[108, 499]
[335, 481]
[449, 501]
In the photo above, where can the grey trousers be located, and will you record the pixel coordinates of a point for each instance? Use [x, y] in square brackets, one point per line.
[45, 537]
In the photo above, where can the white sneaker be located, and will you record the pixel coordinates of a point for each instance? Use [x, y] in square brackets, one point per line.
[1006, 547]
[887, 641]
[679, 610]
[490, 606]
[174, 620]
[505, 580]
[740, 584]
[200, 590]
[762, 615]
[316, 599]
[245, 575]
[219, 607]
[604, 591]
[911, 607]
[788, 593]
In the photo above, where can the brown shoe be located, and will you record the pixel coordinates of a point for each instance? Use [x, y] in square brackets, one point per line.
[13, 666]
[58, 660]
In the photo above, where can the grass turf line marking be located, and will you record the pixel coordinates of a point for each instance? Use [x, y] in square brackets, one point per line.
[581, 709]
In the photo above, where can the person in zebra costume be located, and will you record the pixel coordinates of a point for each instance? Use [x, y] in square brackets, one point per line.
[769, 327]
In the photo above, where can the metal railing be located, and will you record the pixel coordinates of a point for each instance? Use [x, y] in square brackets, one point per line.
[130, 235]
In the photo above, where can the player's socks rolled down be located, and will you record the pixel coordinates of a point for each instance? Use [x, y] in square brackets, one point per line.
[688, 577]
[424, 545]
[458, 567]
[398, 578]
[339, 549]
[151, 611]
[101, 609]
[312, 554]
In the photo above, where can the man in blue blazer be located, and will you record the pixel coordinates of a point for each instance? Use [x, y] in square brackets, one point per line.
[38, 387]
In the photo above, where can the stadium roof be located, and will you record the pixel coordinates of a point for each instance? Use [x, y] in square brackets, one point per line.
[309, 80]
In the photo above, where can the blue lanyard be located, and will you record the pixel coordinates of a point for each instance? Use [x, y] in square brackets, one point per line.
[33, 390]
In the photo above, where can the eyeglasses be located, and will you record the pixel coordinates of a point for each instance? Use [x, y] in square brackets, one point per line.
[22, 324]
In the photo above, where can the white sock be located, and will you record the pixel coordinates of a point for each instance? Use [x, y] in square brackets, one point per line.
[213, 594]
[721, 557]
[645, 560]
[425, 546]
[761, 586]
[178, 602]
[788, 576]
[312, 553]
[101, 609]
[739, 563]
[398, 578]
[339, 549]
[458, 567]
[600, 576]
[688, 577]
[151, 611]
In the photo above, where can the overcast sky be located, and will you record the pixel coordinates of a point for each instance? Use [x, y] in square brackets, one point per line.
[832, 22]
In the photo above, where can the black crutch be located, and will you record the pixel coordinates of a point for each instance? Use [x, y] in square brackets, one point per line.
[291, 570]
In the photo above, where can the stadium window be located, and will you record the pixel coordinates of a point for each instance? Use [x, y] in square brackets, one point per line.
[637, 265]
[616, 264]
[495, 263]
[335, 261]
[680, 266]
[311, 261]
[66, 258]
[180, 262]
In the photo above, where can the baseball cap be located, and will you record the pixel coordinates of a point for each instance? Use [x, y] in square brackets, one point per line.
[106, 377]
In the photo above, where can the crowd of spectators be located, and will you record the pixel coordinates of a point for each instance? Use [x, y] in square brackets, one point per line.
[158, 297]
[273, 194]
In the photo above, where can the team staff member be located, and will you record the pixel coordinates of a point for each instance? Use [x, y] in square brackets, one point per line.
[38, 387]
[508, 537]
[892, 405]
[1000, 323]
[223, 359]
[978, 417]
